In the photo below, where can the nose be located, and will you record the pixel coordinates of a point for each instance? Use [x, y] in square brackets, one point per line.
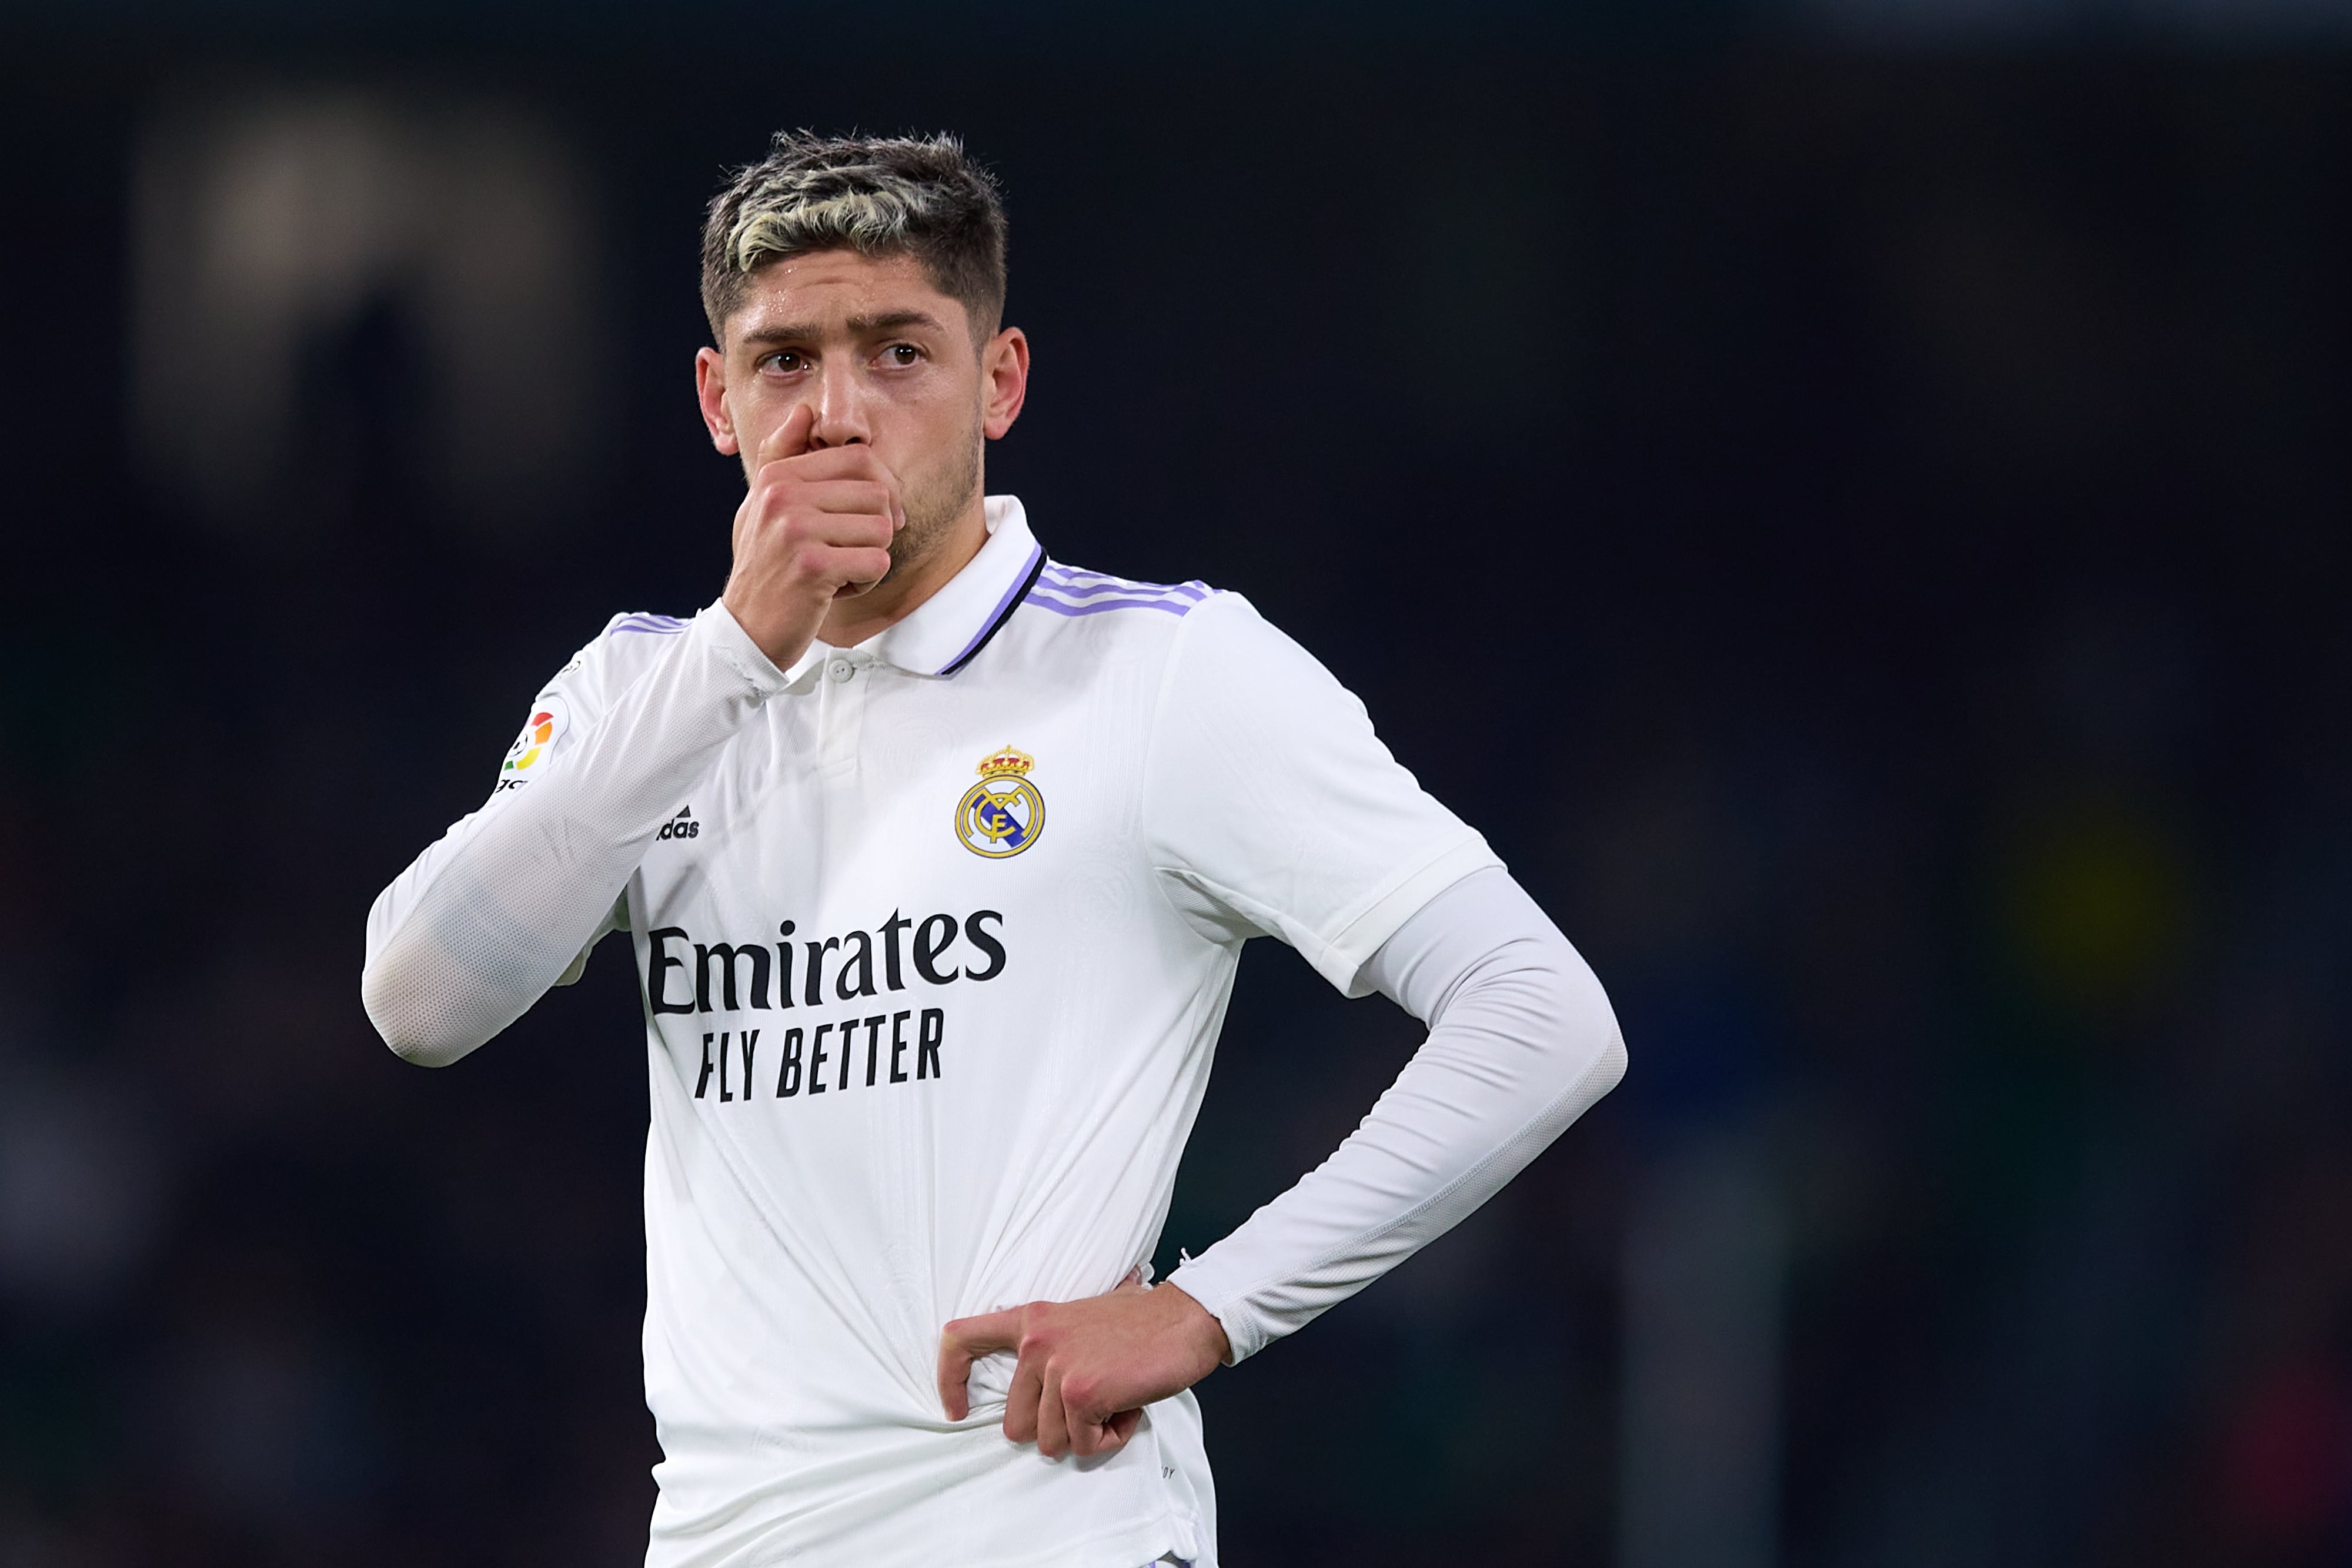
[840, 410]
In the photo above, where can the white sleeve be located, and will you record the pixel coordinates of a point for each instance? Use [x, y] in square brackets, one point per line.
[1521, 1041]
[1272, 808]
[507, 904]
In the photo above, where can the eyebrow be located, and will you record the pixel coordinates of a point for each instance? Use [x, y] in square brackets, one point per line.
[858, 326]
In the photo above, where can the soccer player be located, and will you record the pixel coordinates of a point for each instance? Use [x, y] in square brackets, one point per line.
[936, 855]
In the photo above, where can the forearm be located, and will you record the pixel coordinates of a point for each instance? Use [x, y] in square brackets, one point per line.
[1521, 1041]
[474, 931]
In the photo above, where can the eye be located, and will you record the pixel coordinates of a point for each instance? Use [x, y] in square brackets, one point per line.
[900, 355]
[783, 362]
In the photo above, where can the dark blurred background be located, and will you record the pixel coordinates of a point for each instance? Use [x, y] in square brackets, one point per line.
[1851, 496]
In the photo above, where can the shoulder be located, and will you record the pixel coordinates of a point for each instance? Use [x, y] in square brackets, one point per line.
[1073, 593]
[630, 639]
[1199, 638]
[645, 622]
[577, 694]
[1208, 630]
[613, 658]
[1102, 611]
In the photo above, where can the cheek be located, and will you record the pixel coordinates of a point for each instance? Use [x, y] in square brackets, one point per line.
[929, 420]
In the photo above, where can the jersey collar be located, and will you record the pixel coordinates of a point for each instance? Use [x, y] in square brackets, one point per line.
[948, 628]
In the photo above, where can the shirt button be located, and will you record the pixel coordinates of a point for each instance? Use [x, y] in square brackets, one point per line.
[841, 669]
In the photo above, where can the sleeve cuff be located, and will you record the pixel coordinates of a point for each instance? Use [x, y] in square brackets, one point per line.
[725, 637]
[1245, 1332]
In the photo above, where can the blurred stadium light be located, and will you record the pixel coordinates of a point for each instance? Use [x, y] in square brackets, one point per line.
[79, 1200]
[288, 242]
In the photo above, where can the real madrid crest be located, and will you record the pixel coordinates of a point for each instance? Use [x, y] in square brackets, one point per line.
[1002, 814]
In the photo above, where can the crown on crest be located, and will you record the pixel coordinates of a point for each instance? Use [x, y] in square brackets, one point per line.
[1012, 759]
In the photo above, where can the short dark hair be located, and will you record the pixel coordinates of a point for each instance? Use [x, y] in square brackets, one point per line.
[894, 195]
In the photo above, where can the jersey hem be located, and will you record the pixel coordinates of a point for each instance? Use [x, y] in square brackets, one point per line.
[1122, 1546]
[1128, 1545]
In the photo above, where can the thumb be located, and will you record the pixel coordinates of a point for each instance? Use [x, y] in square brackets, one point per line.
[965, 1341]
[791, 438]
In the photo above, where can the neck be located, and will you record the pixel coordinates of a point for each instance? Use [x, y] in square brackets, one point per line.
[868, 614]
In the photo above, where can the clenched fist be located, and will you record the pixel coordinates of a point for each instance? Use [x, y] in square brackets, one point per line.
[813, 527]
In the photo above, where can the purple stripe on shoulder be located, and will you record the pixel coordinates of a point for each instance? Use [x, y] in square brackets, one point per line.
[1070, 591]
[1079, 578]
[1189, 591]
[1097, 606]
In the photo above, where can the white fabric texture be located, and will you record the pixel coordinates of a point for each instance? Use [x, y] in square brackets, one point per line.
[1270, 808]
[903, 1072]
[1521, 1043]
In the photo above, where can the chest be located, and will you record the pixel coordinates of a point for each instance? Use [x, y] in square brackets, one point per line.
[916, 820]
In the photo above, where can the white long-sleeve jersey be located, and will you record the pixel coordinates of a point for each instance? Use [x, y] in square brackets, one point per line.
[935, 936]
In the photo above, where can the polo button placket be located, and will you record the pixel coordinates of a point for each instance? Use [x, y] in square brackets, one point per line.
[840, 715]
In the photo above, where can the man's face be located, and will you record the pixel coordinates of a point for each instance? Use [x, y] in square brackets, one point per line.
[882, 358]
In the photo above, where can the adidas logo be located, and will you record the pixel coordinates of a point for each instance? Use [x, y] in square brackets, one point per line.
[682, 826]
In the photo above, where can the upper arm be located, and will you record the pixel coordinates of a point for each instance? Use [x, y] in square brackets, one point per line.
[1272, 806]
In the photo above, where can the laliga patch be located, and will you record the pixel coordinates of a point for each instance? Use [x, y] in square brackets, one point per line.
[548, 719]
[1003, 813]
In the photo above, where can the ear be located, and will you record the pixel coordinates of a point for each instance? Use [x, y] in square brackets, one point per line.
[1004, 381]
[710, 392]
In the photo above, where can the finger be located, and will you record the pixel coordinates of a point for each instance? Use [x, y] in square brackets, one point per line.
[1092, 1440]
[789, 439]
[855, 461]
[852, 497]
[965, 1341]
[862, 573]
[955, 1382]
[823, 532]
[1053, 1420]
[1021, 1401]
[1119, 1429]
[1084, 1409]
